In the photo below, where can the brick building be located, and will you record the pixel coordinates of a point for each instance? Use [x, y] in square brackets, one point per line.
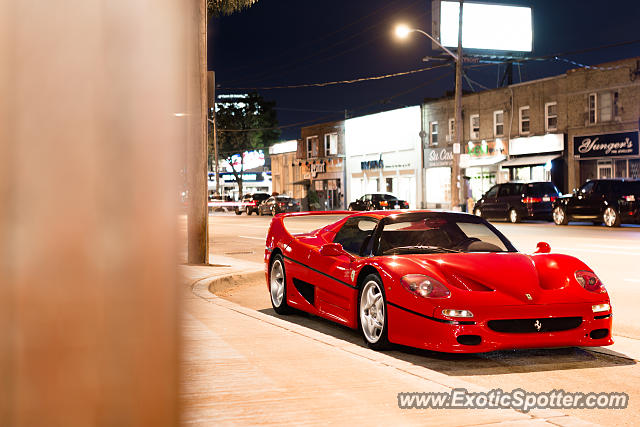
[532, 131]
[320, 162]
[284, 169]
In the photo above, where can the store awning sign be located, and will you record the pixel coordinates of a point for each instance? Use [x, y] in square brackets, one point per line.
[438, 157]
[606, 145]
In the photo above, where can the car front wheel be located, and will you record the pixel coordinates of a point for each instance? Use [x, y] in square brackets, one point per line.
[560, 216]
[278, 286]
[610, 217]
[372, 309]
[478, 212]
[248, 210]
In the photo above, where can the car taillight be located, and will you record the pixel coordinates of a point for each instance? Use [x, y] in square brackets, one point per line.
[531, 199]
[383, 203]
[589, 281]
[282, 203]
[424, 286]
[631, 198]
[253, 203]
[406, 205]
[553, 198]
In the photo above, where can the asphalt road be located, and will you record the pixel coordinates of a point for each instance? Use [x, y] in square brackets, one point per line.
[614, 254]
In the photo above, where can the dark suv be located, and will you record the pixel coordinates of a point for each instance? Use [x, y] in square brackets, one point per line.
[250, 203]
[516, 201]
[612, 201]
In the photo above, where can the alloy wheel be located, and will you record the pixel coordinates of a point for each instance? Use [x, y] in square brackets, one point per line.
[372, 311]
[277, 283]
[610, 217]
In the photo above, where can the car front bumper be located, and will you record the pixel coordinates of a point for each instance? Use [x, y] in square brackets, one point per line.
[443, 334]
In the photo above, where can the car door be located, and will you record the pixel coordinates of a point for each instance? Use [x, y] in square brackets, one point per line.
[578, 205]
[504, 200]
[490, 201]
[336, 292]
[265, 207]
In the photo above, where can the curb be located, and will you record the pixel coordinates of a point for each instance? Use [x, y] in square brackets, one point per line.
[203, 288]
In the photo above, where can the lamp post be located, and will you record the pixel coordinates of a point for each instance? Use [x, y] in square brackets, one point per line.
[402, 31]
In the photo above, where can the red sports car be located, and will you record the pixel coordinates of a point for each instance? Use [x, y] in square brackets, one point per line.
[441, 281]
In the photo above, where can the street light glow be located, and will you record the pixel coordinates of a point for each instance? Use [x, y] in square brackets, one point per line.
[402, 31]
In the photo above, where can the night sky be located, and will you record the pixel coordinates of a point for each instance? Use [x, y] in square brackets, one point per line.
[286, 42]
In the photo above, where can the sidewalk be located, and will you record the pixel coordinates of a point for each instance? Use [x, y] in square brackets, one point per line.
[241, 366]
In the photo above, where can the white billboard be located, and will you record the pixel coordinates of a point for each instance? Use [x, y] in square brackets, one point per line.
[487, 26]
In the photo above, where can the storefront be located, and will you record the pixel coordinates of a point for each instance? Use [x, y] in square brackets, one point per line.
[326, 178]
[481, 164]
[612, 155]
[383, 154]
[537, 158]
[437, 181]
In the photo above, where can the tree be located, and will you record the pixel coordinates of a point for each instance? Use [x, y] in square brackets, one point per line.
[248, 123]
[227, 7]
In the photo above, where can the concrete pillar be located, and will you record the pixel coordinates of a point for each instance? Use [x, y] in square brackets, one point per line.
[88, 192]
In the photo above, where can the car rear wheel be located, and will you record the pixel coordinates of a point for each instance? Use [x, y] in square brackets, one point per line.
[513, 216]
[560, 216]
[610, 217]
[238, 212]
[278, 287]
[372, 309]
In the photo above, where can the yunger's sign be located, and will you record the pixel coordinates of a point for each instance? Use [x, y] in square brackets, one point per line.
[438, 157]
[606, 145]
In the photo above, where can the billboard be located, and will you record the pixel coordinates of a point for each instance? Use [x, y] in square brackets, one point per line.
[485, 26]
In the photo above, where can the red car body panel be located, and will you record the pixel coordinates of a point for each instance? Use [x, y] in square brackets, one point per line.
[507, 285]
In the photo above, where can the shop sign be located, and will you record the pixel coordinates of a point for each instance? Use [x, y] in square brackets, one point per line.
[537, 144]
[372, 164]
[606, 145]
[398, 160]
[438, 157]
[484, 148]
[317, 168]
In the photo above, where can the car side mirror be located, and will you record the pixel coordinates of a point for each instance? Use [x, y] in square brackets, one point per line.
[542, 248]
[335, 249]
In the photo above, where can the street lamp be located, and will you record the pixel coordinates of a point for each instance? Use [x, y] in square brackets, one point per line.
[402, 31]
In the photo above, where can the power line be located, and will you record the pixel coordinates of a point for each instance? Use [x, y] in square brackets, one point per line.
[323, 84]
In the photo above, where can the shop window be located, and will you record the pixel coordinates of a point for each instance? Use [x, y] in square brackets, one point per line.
[525, 121]
[452, 130]
[330, 144]
[434, 133]
[498, 123]
[389, 185]
[551, 116]
[474, 126]
[620, 168]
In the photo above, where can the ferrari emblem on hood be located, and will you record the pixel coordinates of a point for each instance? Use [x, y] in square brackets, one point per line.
[537, 325]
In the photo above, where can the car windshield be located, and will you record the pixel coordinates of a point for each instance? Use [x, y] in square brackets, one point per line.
[439, 232]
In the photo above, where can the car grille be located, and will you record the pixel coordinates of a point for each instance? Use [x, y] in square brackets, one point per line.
[524, 326]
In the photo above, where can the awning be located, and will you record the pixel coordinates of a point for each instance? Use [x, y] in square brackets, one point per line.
[530, 160]
[467, 161]
[302, 182]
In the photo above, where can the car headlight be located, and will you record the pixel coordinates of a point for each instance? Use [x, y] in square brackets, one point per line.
[424, 286]
[589, 281]
[599, 308]
[457, 313]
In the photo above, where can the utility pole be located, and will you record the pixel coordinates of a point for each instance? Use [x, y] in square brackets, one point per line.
[197, 213]
[455, 166]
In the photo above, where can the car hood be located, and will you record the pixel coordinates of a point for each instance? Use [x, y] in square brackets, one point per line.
[502, 278]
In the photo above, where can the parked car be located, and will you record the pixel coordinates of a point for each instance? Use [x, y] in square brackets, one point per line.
[250, 203]
[378, 201]
[515, 201]
[612, 201]
[278, 204]
[443, 281]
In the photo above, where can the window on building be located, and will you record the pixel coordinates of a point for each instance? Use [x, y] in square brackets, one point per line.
[309, 147]
[475, 126]
[389, 185]
[606, 107]
[525, 122]
[452, 130]
[330, 144]
[551, 116]
[593, 108]
[498, 123]
[434, 133]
